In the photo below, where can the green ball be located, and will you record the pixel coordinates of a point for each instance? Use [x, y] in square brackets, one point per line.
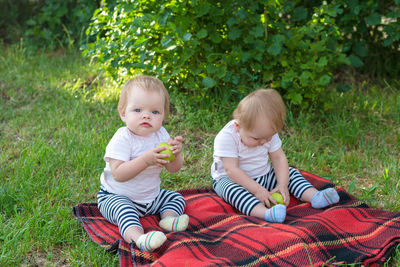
[278, 198]
[167, 151]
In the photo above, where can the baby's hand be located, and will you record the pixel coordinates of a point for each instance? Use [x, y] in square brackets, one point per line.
[176, 145]
[265, 197]
[152, 157]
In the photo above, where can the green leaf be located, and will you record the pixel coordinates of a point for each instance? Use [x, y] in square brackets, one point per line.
[260, 46]
[324, 80]
[278, 38]
[268, 76]
[202, 33]
[245, 56]
[387, 42]
[208, 82]
[333, 10]
[220, 72]
[215, 38]
[211, 68]
[234, 33]
[299, 13]
[275, 49]
[393, 14]
[202, 9]
[354, 6]
[186, 37]
[258, 31]
[373, 19]
[343, 59]
[140, 40]
[287, 79]
[163, 19]
[231, 21]
[295, 97]
[355, 61]
[166, 40]
[361, 49]
[305, 77]
[322, 62]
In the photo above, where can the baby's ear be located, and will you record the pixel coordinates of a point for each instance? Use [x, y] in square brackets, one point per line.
[237, 125]
[121, 113]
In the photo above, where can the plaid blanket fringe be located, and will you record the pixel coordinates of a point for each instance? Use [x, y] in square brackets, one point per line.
[218, 235]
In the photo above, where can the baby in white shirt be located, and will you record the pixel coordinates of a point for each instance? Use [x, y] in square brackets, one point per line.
[130, 183]
[243, 152]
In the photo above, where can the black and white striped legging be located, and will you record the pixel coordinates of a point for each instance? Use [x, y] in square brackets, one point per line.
[245, 201]
[125, 213]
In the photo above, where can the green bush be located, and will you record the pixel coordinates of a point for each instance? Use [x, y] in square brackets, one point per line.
[46, 23]
[371, 35]
[223, 49]
[11, 16]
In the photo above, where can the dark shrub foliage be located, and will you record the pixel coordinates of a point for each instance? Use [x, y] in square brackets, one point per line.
[45, 23]
[371, 35]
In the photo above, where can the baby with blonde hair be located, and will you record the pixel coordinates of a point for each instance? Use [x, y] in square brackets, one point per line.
[130, 182]
[249, 163]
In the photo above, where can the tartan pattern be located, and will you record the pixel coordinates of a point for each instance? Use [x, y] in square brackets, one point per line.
[219, 235]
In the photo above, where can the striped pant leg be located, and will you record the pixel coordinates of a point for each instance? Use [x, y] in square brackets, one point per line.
[118, 210]
[297, 183]
[235, 195]
[168, 201]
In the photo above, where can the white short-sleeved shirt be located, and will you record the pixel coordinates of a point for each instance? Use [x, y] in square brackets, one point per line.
[253, 160]
[125, 146]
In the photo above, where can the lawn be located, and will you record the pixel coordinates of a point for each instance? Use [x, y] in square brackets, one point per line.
[58, 111]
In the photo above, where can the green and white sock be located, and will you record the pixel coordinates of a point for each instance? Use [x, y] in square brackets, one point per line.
[324, 198]
[151, 241]
[175, 224]
[276, 214]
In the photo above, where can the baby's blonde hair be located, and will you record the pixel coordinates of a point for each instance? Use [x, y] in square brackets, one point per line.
[146, 83]
[261, 103]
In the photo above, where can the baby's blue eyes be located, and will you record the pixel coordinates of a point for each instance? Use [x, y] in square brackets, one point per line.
[138, 110]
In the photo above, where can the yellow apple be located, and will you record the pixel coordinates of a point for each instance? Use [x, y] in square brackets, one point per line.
[167, 151]
[278, 198]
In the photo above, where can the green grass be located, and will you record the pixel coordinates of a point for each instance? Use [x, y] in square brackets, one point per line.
[57, 113]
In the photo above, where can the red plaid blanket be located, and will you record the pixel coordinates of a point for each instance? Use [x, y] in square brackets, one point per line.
[218, 235]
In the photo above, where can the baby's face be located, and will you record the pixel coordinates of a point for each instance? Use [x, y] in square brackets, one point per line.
[258, 136]
[144, 112]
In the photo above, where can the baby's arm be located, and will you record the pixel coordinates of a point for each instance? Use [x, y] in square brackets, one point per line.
[125, 170]
[240, 177]
[281, 169]
[176, 148]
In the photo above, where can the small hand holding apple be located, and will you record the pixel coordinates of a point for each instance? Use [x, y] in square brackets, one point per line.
[281, 194]
[264, 196]
[153, 157]
[172, 148]
[167, 151]
[270, 199]
[278, 198]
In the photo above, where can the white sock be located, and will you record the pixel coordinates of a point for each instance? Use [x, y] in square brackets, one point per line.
[276, 214]
[324, 198]
[150, 241]
[174, 224]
